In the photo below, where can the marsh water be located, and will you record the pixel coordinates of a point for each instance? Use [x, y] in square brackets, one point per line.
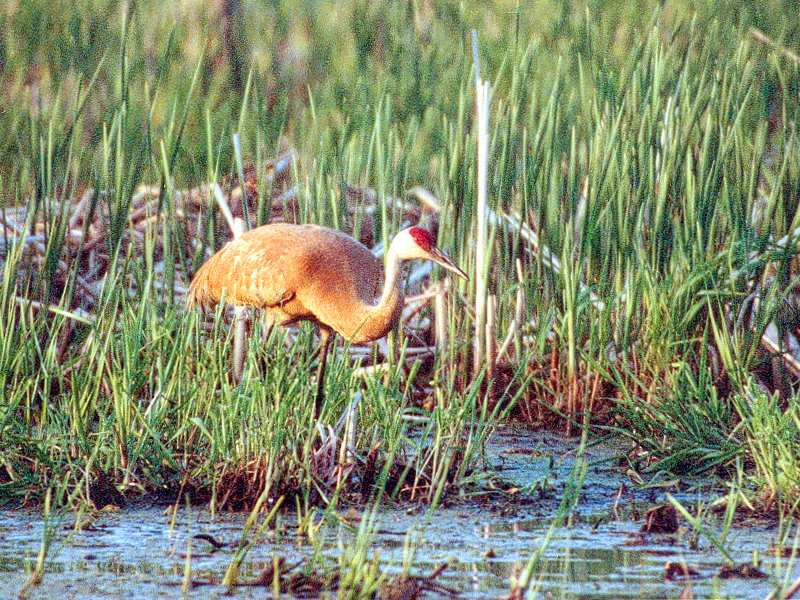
[140, 552]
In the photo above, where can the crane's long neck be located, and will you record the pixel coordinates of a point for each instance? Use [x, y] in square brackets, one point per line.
[380, 318]
[391, 290]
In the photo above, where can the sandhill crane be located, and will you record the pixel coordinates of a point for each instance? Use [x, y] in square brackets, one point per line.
[313, 273]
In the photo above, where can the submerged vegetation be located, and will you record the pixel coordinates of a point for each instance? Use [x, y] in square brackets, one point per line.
[640, 250]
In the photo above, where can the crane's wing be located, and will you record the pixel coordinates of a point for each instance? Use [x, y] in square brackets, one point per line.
[246, 272]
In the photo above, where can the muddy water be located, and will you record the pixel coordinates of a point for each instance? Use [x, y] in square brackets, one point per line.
[137, 553]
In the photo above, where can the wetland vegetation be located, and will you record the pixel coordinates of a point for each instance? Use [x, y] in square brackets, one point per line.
[634, 285]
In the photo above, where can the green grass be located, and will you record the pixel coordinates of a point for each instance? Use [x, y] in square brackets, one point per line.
[655, 153]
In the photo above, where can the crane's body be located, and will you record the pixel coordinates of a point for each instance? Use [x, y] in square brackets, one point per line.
[313, 273]
[300, 272]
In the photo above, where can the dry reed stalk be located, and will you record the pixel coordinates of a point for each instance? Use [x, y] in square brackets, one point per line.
[427, 199]
[549, 259]
[237, 227]
[514, 328]
[491, 334]
[372, 370]
[440, 321]
[769, 339]
[239, 319]
[482, 99]
[80, 208]
[762, 37]
[790, 592]
[77, 314]
[224, 207]
[770, 342]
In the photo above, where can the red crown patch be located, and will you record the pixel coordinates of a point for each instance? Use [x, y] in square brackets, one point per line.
[422, 237]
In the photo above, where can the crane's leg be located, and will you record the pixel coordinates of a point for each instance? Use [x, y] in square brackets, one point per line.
[324, 345]
[239, 342]
[268, 328]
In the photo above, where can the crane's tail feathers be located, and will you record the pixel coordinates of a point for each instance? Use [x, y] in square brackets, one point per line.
[202, 291]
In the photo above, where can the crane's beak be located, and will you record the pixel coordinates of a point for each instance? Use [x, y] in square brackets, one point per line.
[440, 257]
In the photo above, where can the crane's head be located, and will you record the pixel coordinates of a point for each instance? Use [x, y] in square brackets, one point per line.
[418, 243]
